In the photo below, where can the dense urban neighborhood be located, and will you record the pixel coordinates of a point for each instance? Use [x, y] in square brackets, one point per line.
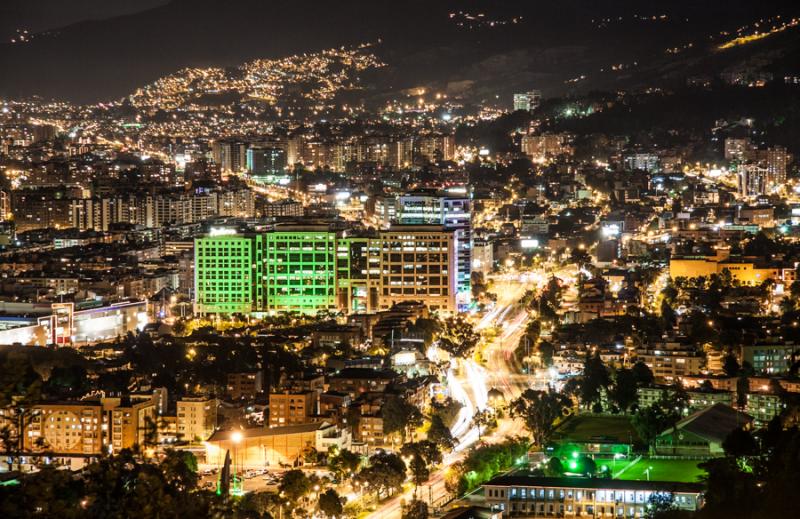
[270, 290]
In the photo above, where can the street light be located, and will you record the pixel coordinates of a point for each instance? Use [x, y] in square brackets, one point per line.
[236, 439]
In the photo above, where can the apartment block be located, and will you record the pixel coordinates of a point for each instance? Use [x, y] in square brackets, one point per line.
[196, 418]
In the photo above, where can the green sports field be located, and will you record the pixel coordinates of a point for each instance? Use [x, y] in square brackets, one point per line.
[684, 471]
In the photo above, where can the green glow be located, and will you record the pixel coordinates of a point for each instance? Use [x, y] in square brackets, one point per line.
[573, 465]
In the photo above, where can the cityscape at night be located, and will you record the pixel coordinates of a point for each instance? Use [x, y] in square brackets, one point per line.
[458, 259]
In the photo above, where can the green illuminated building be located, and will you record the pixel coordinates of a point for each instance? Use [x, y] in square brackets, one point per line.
[300, 269]
[311, 268]
[226, 273]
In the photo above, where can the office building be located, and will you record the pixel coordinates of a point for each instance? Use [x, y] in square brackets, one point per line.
[649, 162]
[230, 155]
[528, 101]
[267, 164]
[453, 211]
[300, 269]
[307, 269]
[225, 278]
[418, 263]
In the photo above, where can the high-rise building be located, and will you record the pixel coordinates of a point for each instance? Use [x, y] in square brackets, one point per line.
[775, 160]
[43, 207]
[227, 268]
[546, 146]
[528, 101]
[307, 269]
[68, 428]
[231, 155]
[267, 163]
[5, 206]
[435, 147]
[451, 210]
[642, 162]
[300, 269]
[129, 423]
[737, 149]
[417, 264]
[753, 180]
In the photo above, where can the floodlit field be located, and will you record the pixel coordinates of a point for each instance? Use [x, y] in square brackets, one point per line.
[684, 471]
[585, 428]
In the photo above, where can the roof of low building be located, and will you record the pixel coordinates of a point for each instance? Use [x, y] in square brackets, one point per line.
[258, 432]
[713, 423]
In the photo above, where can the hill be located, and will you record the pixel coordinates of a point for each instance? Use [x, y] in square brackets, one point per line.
[476, 48]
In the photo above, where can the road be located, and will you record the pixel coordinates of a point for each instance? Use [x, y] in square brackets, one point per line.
[470, 384]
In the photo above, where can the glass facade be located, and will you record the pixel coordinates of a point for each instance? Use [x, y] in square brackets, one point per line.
[300, 271]
[225, 278]
[311, 269]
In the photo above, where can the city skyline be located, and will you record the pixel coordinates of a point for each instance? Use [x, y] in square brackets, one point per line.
[399, 260]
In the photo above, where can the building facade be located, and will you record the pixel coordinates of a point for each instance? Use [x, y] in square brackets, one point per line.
[529, 496]
[309, 269]
[196, 418]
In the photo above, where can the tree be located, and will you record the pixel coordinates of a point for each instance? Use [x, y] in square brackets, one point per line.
[624, 392]
[419, 471]
[668, 314]
[554, 468]
[546, 351]
[294, 485]
[180, 468]
[642, 374]
[660, 504]
[740, 443]
[595, 376]
[310, 455]
[415, 509]
[440, 434]
[458, 337]
[482, 419]
[729, 491]
[330, 503]
[649, 423]
[399, 415]
[384, 475]
[426, 449]
[540, 410]
[665, 413]
[730, 365]
[345, 463]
